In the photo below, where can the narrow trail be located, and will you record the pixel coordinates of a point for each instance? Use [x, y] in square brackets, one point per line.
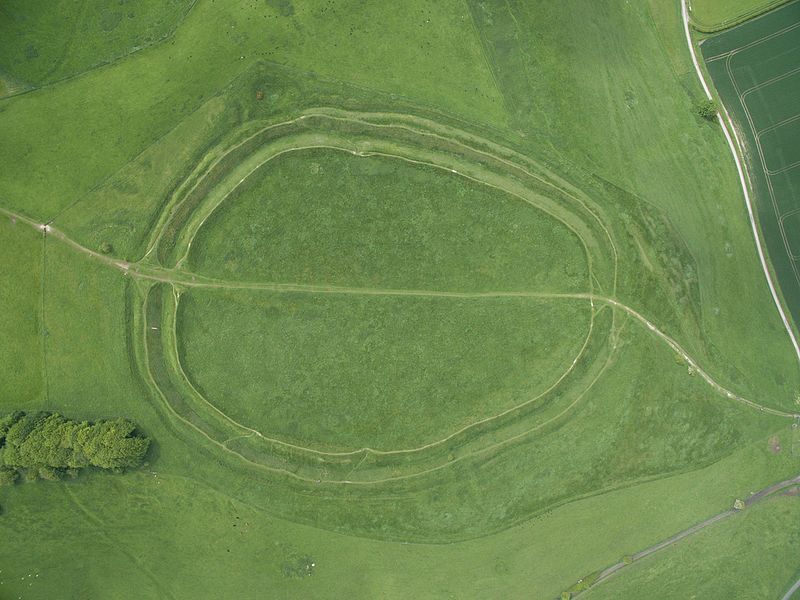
[173, 277]
[194, 281]
[750, 501]
[417, 126]
[316, 480]
[792, 590]
[102, 529]
[741, 170]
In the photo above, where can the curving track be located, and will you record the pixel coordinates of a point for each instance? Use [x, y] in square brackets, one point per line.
[161, 278]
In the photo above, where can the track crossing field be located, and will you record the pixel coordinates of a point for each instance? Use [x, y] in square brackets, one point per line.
[756, 69]
[430, 300]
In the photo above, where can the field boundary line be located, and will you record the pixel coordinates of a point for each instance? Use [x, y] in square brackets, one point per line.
[742, 182]
[754, 16]
[778, 125]
[766, 83]
[161, 275]
[43, 325]
[107, 63]
[486, 60]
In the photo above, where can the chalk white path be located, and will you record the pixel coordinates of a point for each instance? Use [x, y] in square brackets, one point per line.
[742, 181]
[792, 590]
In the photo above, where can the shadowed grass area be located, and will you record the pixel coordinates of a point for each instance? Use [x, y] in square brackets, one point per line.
[133, 103]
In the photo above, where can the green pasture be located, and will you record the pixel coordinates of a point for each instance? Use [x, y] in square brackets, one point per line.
[619, 434]
[401, 294]
[752, 555]
[21, 265]
[349, 371]
[330, 218]
[176, 537]
[596, 112]
[149, 93]
[715, 15]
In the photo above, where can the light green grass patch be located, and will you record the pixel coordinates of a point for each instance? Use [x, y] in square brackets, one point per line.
[100, 121]
[751, 555]
[89, 367]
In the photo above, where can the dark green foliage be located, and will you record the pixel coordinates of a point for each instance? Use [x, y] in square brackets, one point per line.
[707, 109]
[48, 445]
[7, 476]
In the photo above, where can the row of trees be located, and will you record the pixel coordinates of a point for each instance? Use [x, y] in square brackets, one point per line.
[49, 445]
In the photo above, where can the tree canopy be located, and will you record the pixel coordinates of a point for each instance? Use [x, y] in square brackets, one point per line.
[47, 445]
[708, 109]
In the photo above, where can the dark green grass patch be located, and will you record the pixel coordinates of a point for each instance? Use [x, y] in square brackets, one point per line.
[385, 372]
[786, 186]
[325, 217]
[791, 225]
[780, 97]
[780, 146]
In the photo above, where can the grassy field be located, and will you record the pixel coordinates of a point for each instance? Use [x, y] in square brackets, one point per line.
[450, 300]
[346, 371]
[714, 15]
[330, 218]
[21, 312]
[754, 69]
[598, 122]
[148, 94]
[48, 41]
[751, 556]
